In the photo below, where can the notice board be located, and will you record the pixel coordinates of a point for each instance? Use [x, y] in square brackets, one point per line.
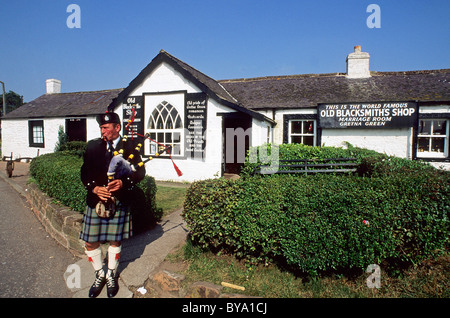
[195, 125]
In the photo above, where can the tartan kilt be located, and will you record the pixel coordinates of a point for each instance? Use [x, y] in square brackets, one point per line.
[97, 229]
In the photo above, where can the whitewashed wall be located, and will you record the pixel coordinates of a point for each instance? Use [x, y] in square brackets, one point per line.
[92, 128]
[393, 142]
[15, 137]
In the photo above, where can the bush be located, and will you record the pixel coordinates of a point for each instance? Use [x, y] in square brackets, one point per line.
[300, 151]
[397, 214]
[58, 175]
[76, 147]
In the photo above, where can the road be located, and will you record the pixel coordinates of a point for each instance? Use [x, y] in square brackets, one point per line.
[32, 263]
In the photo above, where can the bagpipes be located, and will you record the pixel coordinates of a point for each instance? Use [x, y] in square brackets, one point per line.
[119, 168]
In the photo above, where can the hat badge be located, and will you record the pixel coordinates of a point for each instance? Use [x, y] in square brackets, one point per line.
[106, 117]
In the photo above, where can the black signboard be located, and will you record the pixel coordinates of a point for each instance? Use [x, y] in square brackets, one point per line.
[368, 115]
[136, 103]
[195, 124]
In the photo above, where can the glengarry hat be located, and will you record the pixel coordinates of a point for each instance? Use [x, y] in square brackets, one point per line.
[108, 118]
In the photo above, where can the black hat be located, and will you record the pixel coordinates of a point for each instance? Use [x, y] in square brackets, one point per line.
[107, 118]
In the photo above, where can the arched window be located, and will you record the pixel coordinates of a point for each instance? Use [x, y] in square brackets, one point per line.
[166, 127]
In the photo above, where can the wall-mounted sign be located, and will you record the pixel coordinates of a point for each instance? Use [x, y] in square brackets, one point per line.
[368, 115]
[195, 124]
[136, 102]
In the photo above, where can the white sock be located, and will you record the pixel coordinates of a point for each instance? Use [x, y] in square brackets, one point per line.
[113, 257]
[95, 258]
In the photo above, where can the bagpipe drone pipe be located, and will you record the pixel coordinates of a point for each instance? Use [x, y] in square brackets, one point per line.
[120, 167]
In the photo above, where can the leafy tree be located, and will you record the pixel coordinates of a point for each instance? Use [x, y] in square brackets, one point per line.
[13, 101]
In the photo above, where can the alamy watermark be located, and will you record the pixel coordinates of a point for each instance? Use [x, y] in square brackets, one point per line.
[374, 19]
[235, 148]
[72, 276]
[374, 279]
[74, 19]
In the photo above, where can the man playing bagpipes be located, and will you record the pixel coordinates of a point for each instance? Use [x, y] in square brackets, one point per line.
[112, 167]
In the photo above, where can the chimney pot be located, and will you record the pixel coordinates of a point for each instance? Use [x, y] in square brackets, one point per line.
[53, 86]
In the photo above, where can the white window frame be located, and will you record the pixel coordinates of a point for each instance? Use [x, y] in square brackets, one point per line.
[430, 153]
[155, 133]
[302, 134]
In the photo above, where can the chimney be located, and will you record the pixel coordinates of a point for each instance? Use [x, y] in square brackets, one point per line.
[358, 64]
[53, 86]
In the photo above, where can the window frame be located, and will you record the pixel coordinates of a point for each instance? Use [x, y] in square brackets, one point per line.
[432, 154]
[302, 134]
[34, 139]
[154, 132]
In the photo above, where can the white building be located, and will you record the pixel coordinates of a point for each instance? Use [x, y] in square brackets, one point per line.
[398, 113]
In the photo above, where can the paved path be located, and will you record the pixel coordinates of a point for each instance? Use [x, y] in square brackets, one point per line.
[32, 264]
[141, 254]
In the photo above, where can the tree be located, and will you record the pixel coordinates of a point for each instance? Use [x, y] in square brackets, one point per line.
[62, 139]
[13, 101]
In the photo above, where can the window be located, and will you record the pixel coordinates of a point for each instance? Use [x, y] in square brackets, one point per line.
[36, 133]
[432, 138]
[166, 127]
[302, 132]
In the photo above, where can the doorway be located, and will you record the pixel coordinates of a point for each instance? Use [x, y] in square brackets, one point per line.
[236, 140]
[76, 129]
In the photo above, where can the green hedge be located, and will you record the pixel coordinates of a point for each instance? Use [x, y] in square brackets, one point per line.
[58, 175]
[300, 151]
[396, 212]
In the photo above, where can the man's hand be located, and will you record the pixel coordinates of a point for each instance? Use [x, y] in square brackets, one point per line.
[102, 193]
[115, 185]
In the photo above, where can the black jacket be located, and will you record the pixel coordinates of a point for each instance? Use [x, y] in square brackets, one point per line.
[95, 167]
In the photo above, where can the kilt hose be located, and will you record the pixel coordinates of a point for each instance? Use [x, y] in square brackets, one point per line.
[97, 229]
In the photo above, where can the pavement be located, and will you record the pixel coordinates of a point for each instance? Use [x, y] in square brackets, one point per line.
[141, 254]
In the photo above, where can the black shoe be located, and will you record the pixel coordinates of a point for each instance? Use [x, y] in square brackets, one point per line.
[98, 284]
[112, 285]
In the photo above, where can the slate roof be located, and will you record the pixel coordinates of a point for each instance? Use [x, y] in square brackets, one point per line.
[300, 91]
[66, 105]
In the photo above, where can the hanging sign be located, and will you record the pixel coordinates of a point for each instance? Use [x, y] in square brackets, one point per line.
[368, 115]
[195, 124]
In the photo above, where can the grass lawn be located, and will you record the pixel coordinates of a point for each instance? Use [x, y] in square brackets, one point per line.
[429, 279]
[170, 198]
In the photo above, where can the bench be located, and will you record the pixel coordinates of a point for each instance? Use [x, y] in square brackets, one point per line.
[311, 166]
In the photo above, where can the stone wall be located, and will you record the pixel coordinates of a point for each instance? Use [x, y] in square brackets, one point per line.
[62, 223]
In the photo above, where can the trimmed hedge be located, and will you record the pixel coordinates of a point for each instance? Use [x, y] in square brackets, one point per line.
[58, 175]
[300, 151]
[397, 211]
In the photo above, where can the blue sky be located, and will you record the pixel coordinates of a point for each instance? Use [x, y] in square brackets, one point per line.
[222, 38]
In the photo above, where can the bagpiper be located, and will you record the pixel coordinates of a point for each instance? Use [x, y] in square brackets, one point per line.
[107, 217]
